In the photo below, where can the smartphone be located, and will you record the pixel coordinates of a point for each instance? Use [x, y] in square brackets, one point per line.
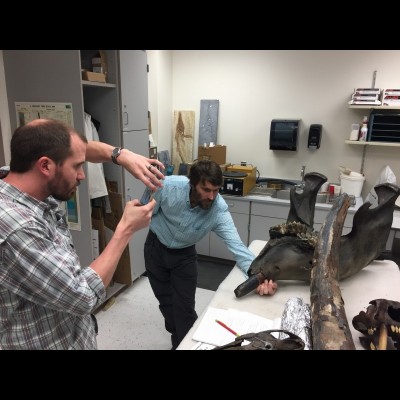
[147, 196]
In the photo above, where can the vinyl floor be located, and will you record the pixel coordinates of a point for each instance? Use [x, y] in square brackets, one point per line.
[134, 321]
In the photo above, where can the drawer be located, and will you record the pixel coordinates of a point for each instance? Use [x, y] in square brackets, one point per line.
[270, 210]
[237, 206]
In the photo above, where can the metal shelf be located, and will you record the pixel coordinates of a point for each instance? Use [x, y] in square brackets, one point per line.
[359, 143]
[98, 84]
[371, 106]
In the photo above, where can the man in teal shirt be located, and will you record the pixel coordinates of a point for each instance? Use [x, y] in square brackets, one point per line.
[187, 209]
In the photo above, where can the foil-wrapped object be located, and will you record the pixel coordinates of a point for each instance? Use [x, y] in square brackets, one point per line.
[296, 318]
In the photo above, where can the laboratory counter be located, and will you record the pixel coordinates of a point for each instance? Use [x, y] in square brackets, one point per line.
[380, 279]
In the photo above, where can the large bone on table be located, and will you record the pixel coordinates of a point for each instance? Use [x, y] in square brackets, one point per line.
[330, 329]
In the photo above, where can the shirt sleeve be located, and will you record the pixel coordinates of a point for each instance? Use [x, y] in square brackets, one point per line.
[226, 230]
[41, 271]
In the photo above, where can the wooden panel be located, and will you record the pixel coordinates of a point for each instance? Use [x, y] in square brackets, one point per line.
[182, 141]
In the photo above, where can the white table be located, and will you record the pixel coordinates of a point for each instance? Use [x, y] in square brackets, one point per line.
[379, 280]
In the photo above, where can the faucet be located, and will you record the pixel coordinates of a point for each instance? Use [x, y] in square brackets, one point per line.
[302, 184]
[303, 168]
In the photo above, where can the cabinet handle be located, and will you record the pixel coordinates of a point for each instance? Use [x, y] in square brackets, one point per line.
[126, 118]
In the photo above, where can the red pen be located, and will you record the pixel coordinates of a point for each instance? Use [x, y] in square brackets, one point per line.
[226, 327]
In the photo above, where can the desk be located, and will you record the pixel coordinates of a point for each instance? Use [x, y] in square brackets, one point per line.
[379, 280]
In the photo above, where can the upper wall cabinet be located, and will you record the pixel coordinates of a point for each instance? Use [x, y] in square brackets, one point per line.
[133, 75]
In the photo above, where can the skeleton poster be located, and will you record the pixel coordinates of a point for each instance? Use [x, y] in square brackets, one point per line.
[182, 141]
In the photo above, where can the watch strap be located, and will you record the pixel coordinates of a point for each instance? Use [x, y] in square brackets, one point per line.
[115, 154]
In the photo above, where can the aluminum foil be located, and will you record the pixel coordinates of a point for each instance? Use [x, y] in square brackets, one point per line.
[296, 318]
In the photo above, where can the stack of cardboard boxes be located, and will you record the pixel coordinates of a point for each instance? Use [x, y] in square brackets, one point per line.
[105, 224]
[99, 68]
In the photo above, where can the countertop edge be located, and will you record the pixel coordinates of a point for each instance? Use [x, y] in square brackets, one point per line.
[272, 200]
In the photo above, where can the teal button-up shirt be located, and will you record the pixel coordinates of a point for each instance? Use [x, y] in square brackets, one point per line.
[177, 225]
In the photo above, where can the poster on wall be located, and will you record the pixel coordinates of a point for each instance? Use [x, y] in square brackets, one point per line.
[29, 111]
[208, 122]
[182, 141]
[72, 211]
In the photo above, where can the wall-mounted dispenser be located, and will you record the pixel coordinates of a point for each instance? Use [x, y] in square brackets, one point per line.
[314, 136]
[283, 134]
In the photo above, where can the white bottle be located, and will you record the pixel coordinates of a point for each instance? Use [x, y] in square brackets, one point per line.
[364, 130]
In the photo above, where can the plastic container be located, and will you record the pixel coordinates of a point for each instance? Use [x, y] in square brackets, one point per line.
[352, 185]
[355, 129]
[364, 130]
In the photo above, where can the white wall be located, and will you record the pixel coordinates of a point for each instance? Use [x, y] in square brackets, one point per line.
[160, 96]
[256, 86]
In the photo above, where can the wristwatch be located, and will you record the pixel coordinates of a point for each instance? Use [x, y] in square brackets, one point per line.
[115, 154]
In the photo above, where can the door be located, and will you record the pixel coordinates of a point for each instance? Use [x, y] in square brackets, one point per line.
[133, 84]
[137, 142]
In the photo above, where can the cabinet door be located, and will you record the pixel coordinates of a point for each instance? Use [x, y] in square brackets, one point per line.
[264, 216]
[320, 217]
[217, 246]
[203, 247]
[259, 226]
[134, 94]
[138, 142]
[240, 214]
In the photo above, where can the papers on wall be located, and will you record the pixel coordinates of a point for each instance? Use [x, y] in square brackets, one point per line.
[241, 322]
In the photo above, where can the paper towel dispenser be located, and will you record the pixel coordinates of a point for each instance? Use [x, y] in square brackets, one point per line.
[283, 134]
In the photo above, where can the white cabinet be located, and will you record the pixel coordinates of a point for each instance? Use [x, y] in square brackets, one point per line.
[240, 215]
[253, 220]
[203, 247]
[265, 215]
[134, 93]
[320, 216]
[132, 134]
[133, 189]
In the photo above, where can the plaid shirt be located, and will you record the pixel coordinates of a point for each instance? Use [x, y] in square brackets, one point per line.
[46, 298]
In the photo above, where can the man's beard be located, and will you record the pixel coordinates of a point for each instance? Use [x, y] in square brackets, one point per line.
[58, 189]
[196, 199]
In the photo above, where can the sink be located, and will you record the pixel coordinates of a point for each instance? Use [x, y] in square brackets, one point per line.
[263, 191]
[284, 194]
[262, 188]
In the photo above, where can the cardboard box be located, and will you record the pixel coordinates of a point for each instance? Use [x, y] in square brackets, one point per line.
[123, 272]
[99, 63]
[93, 76]
[224, 167]
[98, 224]
[216, 153]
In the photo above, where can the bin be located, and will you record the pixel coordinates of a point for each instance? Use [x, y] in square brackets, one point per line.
[352, 185]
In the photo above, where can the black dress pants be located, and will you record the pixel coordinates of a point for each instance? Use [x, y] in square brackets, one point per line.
[173, 277]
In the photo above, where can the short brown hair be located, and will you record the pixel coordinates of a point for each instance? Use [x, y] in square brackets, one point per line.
[44, 137]
[205, 171]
